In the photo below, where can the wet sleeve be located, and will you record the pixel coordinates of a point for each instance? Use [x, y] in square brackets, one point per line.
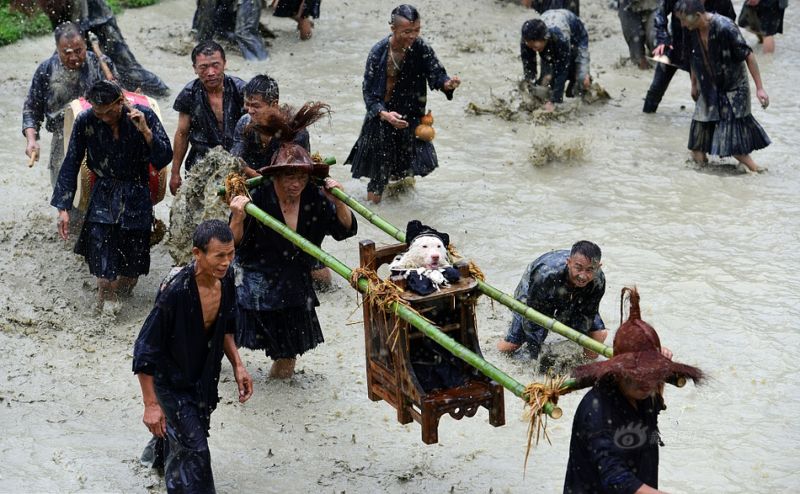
[150, 344]
[528, 62]
[660, 25]
[336, 229]
[738, 46]
[560, 70]
[160, 147]
[582, 42]
[231, 312]
[238, 148]
[373, 97]
[615, 476]
[67, 182]
[111, 67]
[434, 71]
[598, 323]
[33, 109]
[183, 102]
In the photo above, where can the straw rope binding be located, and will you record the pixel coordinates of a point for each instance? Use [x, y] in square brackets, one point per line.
[539, 395]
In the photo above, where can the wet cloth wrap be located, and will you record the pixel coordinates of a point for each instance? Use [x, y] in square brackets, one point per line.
[204, 133]
[565, 57]
[722, 124]
[545, 287]
[52, 89]
[381, 151]
[274, 287]
[114, 237]
[185, 363]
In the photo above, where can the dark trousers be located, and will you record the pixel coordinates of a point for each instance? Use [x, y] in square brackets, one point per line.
[661, 79]
[188, 460]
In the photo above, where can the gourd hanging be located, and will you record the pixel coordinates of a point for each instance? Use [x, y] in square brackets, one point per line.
[425, 131]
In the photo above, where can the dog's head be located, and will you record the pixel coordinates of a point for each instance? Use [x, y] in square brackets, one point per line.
[425, 251]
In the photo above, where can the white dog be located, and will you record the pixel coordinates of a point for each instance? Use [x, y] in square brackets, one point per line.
[427, 258]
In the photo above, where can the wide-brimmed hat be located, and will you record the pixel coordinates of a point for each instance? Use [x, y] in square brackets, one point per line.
[637, 354]
[291, 158]
[415, 229]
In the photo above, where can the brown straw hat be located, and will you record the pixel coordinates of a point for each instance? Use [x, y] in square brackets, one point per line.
[637, 354]
[292, 158]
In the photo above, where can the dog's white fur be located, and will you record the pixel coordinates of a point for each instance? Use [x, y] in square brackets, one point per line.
[425, 251]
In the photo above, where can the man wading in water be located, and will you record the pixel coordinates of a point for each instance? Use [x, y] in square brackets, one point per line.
[398, 68]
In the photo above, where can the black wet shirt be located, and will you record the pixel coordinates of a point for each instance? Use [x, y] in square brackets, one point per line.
[173, 345]
[53, 87]
[614, 445]
[545, 287]
[276, 273]
[121, 194]
[409, 95]
[204, 133]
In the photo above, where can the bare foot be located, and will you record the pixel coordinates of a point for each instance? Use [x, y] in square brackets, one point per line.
[282, 368]
[305, 26]
[644, 64]
[373, 197]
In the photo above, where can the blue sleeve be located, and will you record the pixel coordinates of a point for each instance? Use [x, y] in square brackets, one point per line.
[434, 71]
[597, 323]
[660, 23]
[160, 147]
[373, 96]
[560, 69]
[528, 62]
[67, 182]
[615, 476]
[33, 109]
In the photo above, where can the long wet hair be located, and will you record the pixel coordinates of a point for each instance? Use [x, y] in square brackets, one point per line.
[287, 123]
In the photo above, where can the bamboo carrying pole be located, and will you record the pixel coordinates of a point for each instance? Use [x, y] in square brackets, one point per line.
[485, 288]
[403, 312]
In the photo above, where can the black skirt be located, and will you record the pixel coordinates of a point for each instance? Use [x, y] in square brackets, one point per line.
[764, 20]
[289, 8]
[383, 152]
[111, 251]
[284, 333]
[728, 137]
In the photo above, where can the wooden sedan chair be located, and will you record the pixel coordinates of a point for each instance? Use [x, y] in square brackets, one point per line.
[414, 374]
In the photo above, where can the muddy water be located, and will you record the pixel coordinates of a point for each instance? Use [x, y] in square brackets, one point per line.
[713, 253]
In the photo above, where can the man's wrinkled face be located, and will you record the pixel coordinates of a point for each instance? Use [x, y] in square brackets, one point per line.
[72, 52]
[581, 270]
[216, 259]
[110, 113]
[405, 31]
[259, 109]
[292, 183]
[536, 45]
[210, 69]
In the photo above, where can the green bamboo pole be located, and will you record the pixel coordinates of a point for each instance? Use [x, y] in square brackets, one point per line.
[400, 310]
[485, 288]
